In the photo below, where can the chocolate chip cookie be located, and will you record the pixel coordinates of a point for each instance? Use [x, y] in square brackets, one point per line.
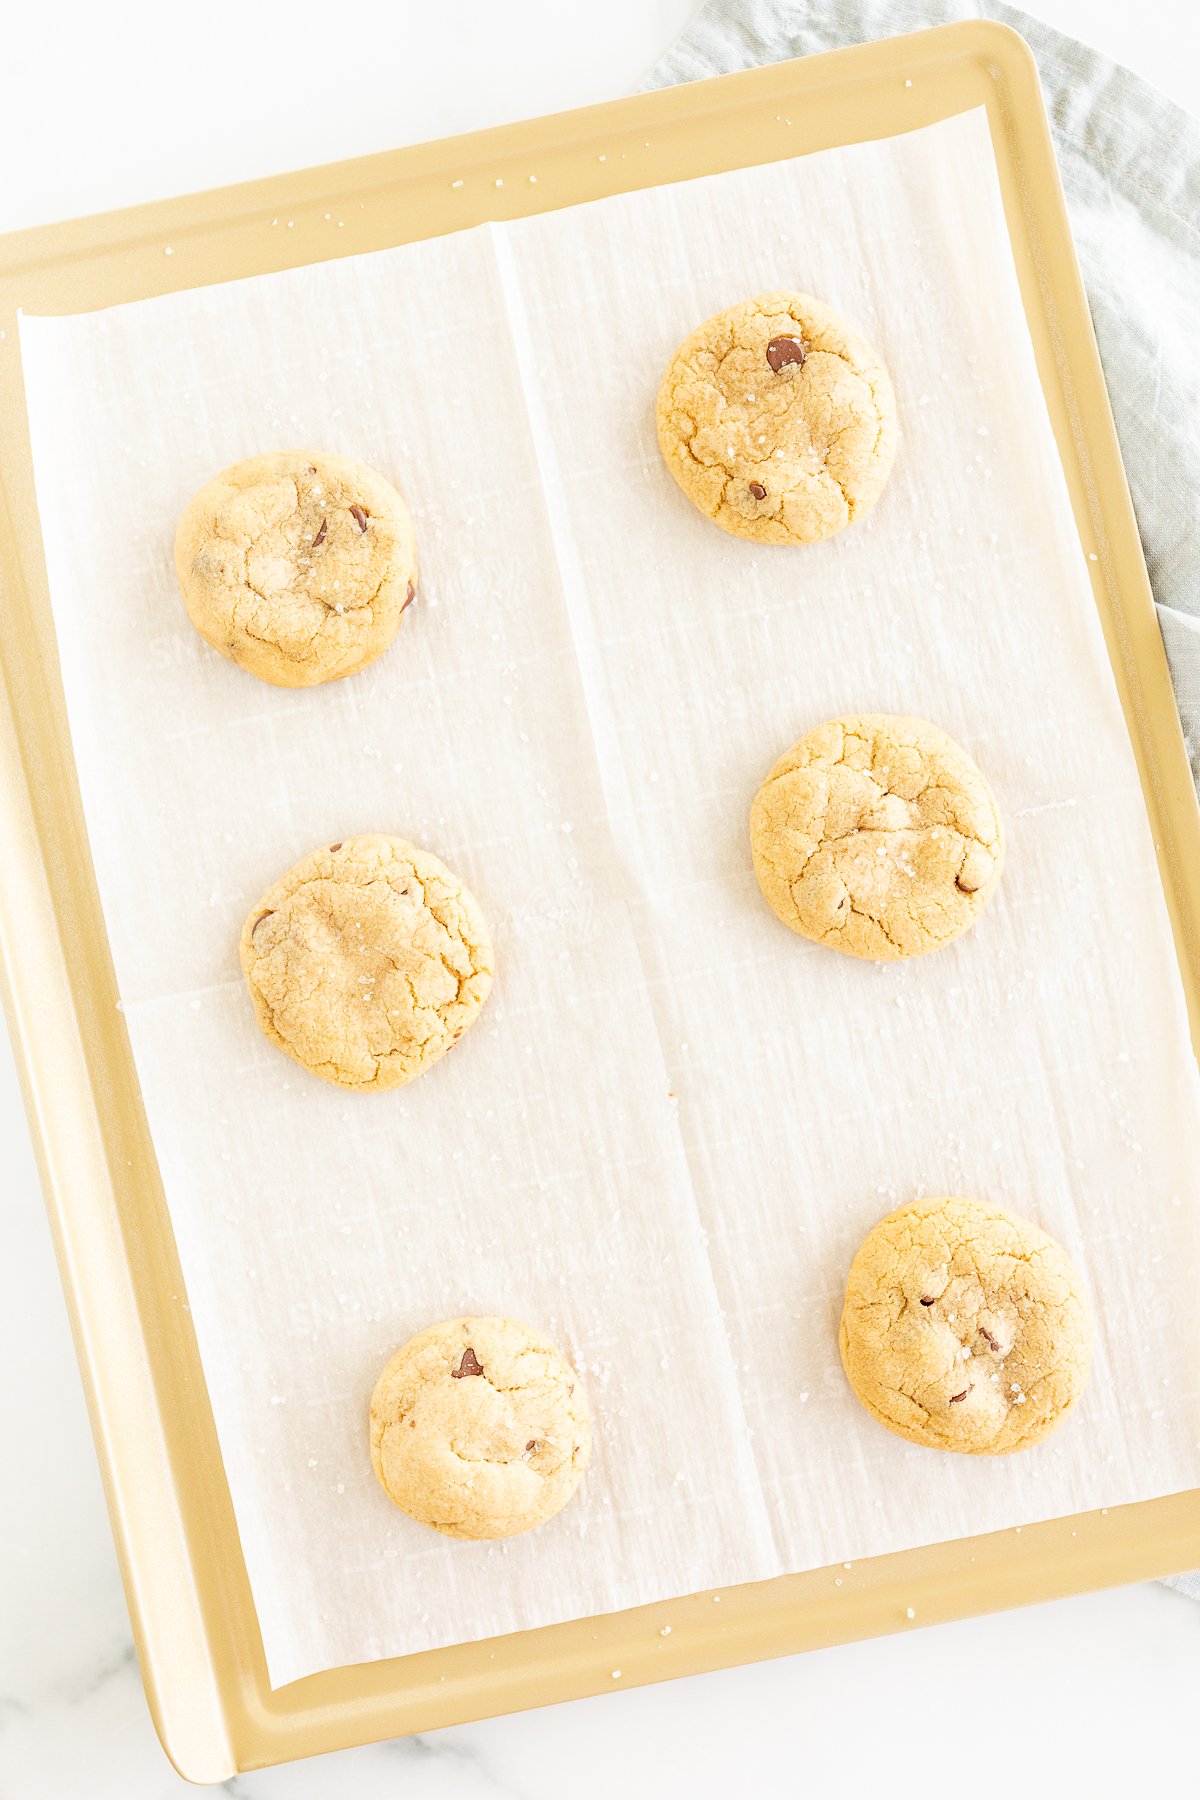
[965, 1327]
[479, 1427]
[367, 961]
[297, 565]
[876, 835]
[778, 420]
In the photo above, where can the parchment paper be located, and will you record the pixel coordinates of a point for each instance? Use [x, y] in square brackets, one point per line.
[675, 1120]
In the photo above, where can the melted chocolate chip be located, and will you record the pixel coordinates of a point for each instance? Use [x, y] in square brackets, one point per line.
[927, 1301]
[758, 490]
[312, 468]
[783, 350]
[470, 1365]
[260, 918]
[320, 537]
[965, 887]
[985, 1333]
[359, 517]
[961, 1396]
[410, 596]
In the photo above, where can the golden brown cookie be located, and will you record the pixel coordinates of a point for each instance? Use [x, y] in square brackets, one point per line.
[479, 1427]
[878, 836]
[367, 961]
[297, 565]
[965, 1327]
[778, 420]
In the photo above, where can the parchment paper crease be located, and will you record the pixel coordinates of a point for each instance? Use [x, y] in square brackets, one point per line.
[675, 1120]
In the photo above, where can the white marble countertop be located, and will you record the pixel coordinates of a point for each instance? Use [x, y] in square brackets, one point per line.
[1093, 1695]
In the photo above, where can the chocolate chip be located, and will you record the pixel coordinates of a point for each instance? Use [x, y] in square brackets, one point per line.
[985, 1333]
[320, 537]
[359, 517]
[782, 350]
[965, 887]
[260, 918]
[338, 845]
[470, 1365]
[312, 468]
[532, 1444]
[961, 1396]
[410, 596]
[758, 490]
[927, 1300]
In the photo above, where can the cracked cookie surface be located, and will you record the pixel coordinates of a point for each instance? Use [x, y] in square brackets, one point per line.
[367, 961]
[876, 835]
[480, 1428]
[297, 565]
[965, 1327]
[778, 420]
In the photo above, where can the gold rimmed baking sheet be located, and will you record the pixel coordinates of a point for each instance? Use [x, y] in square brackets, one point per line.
[191, 1605]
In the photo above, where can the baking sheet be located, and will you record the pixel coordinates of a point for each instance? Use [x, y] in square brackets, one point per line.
[674, 1121]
